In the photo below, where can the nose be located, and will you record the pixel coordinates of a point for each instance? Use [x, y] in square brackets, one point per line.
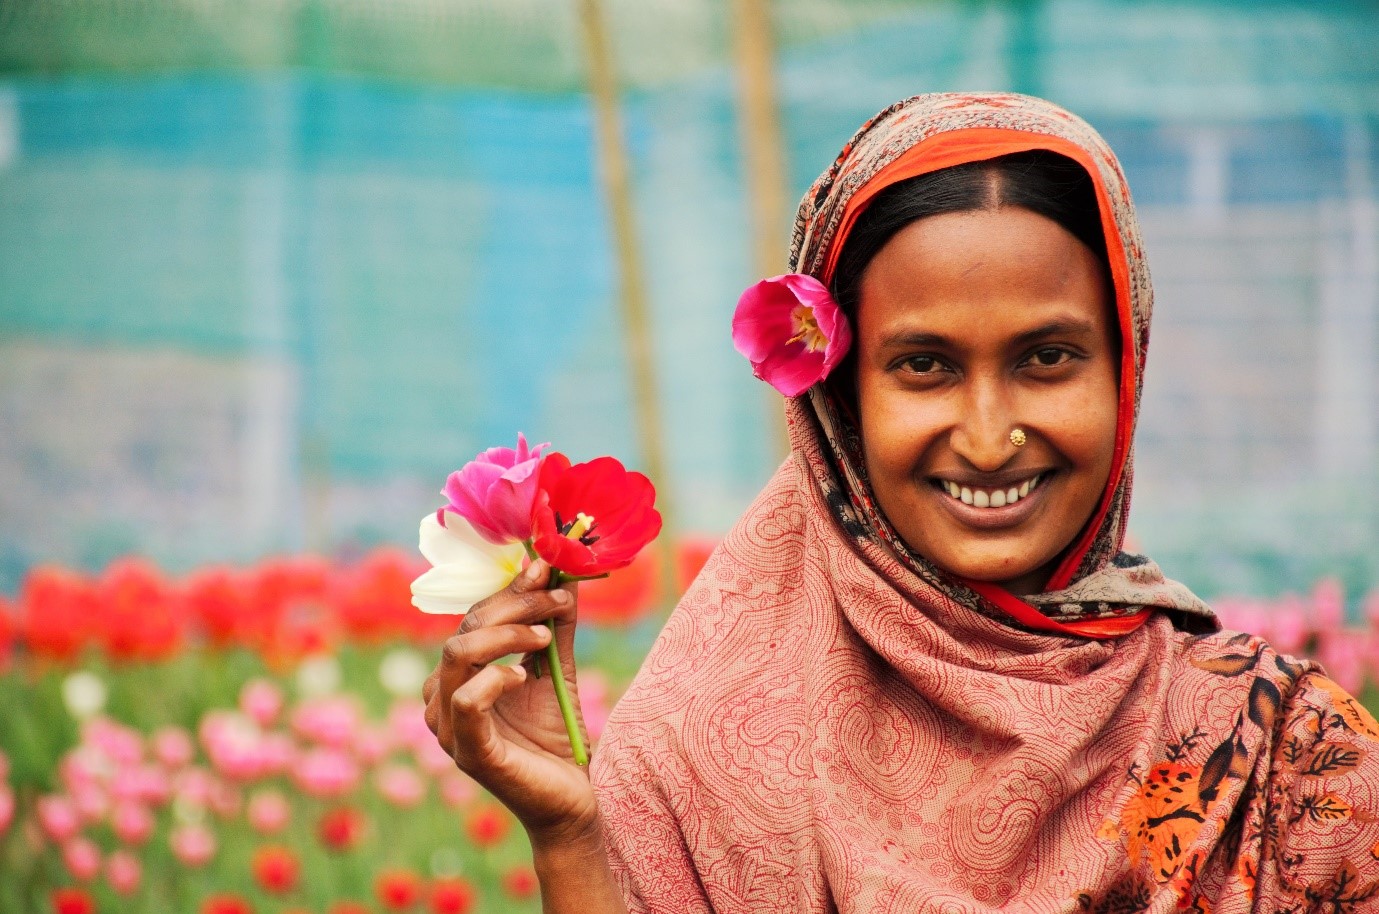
[981, 436]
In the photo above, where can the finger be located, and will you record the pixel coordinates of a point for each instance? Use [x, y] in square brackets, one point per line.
[477, 745]
[525, 608]
[535, 577]
[428, 688]
[464, 655]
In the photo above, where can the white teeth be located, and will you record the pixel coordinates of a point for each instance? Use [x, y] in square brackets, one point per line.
[982, 498]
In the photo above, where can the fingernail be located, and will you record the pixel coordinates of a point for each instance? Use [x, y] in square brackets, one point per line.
[530, 574]
[520, 670]
[540, 630]
[560, 596]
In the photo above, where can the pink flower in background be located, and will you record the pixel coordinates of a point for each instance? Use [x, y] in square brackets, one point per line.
[495, 491]
[57, 816]
[262, 700]
[372, 743]
[232, 742]
[120, 744]
[432, 759]
[407, 723]
[193, 787]
[82, 858]
[146, 784]
[326, 773]
[6, 808]
[269, 812]
[458, 789]
[123, 872]
[331, 721]
[173, 747]
[792, 331]
[593, 702]
[132, 823]
[400, 785]
[91, 801]
[194, 845]
[224, 799]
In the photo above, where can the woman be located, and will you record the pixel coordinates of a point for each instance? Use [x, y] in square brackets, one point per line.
[920, 673]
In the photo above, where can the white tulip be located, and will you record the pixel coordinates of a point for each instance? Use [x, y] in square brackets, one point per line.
[466, 568]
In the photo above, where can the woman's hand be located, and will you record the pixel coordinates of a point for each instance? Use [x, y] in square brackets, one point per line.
[501, 724]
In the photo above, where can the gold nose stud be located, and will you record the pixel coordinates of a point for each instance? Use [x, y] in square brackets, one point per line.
[1017, 437]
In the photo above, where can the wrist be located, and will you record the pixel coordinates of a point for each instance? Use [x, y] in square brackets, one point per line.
[570, 847]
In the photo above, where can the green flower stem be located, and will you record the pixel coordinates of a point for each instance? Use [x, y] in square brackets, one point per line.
[562, 697]
[562, 694]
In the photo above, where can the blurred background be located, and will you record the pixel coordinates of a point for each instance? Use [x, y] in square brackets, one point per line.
[270, 269]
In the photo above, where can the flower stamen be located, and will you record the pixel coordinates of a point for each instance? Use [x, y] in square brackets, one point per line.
[807, 331]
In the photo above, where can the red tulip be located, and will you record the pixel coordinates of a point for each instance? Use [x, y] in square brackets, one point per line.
[275, 868]
[452, 896]
[398, 890]
[341, 828]
[592, 518]
[57, 608]
[226, 903]
[487, 826]
[72, 901]
[520, 882]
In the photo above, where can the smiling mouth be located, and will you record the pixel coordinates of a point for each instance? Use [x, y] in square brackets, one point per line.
[982, 497]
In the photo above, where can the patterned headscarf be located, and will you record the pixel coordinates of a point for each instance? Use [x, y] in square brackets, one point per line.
[1097, 590]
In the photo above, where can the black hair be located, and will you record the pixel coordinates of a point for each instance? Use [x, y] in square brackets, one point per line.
[1052, 185]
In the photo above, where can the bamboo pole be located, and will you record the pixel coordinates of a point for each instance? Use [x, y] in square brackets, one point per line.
[763, 153]
[615, 175]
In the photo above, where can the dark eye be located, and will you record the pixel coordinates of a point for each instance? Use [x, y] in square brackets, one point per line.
[921, 364]
[1050, 357]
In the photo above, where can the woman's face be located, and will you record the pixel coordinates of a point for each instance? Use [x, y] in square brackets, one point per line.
[970, 325]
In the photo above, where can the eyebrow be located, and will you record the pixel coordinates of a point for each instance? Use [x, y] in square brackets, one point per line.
[1062, 327]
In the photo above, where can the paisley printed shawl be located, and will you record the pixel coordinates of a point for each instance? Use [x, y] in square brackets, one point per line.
[829, 723]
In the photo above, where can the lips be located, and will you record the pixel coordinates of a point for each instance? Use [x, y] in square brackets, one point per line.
[991, 507]
[991, 497]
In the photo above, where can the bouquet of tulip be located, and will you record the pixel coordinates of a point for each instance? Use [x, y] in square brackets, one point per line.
[508, 506]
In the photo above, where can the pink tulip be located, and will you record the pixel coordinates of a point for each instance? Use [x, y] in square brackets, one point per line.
[6, 808]
[458, 790]
[593, 702]
[173, 747]
[144, 784]
[84, 766]
[123, 872]
[91, 801]
[132, 823]
[120, 744]
[792, 332]
[193, 787]
[58, 817]
[1328, 607]
[224, 800]
[1291, 628]
[400, 785]
[331, 721]
[194, 845]
[326, 773]
[372, 744]
[232, 742]
[495, 491]
[432, 759]
[82, 858]
[407, 723]
[262, 700]
[269, 812]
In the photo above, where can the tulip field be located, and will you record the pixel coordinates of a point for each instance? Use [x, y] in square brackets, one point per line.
[251, 741]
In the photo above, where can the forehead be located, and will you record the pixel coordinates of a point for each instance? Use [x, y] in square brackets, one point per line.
[1008, 266]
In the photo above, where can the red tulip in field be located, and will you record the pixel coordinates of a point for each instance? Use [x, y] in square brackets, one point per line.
[226, 903]
[275, 869]
[398, 889]
[592, 518]
[452, 896]
[487, 826]
[72, 901]
[341, 828]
